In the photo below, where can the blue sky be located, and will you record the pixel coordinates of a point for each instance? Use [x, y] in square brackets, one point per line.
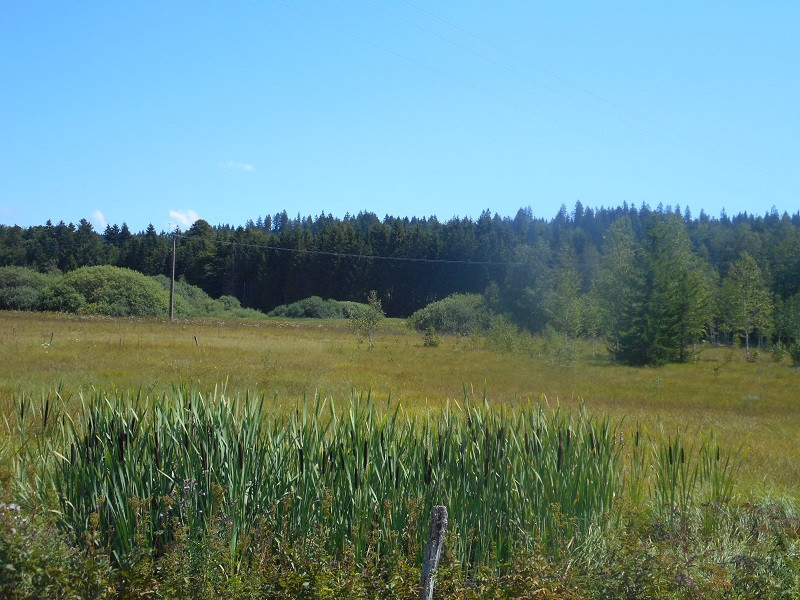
[165, 112]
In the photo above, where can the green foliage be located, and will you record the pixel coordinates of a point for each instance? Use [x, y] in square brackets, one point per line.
[460, 314]
[794, 352]
[746, 303]
[557, 349]
[21, 288]
[430, 339]
[11, 277]
[111, 291]
[231, 303]
[62, 297]
[779, 352]
[117, 292]
[748, 557]
[210, 497]
[503, 335]
[364, 321]
[655, 297]
[38, 561]
[752, 555]
[786, 318]
[21, 297]
[191, 301]
[279, 260]
[315, 307]
[141, 476]
[523, 292]
[620, 291]
[563, 305]
[679, 306]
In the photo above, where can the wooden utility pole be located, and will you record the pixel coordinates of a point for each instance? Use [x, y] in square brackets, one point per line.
[172, 281]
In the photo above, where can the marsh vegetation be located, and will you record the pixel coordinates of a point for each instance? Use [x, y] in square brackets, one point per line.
[278, 455]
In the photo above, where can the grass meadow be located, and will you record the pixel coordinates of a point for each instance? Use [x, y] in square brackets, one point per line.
[281, 459]
[749, 405]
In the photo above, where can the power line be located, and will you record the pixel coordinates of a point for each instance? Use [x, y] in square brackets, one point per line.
[364, 256]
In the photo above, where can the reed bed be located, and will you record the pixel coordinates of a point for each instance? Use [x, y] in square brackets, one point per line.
[128, 473]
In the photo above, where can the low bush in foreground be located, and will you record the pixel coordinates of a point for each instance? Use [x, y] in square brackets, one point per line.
[753, 556]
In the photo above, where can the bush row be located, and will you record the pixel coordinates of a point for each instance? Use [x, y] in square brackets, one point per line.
[110, 291]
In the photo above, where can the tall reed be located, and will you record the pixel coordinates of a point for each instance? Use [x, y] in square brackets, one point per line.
[129, 473]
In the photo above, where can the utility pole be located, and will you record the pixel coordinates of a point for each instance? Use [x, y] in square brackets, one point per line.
[172, 281]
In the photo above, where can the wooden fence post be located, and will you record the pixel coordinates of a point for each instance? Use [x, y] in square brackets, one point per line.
[433, 550]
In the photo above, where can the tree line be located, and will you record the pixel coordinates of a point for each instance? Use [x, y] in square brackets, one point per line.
[651, 282]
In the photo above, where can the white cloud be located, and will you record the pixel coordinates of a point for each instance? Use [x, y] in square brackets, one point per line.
[184, 217]
[98, 219]
[231, 164]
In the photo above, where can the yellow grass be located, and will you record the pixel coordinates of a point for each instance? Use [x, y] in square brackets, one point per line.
[754, 402]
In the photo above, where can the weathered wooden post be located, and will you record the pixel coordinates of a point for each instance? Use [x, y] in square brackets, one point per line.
[433, 550]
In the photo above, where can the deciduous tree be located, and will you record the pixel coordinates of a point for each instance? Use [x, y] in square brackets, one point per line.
[747, 305]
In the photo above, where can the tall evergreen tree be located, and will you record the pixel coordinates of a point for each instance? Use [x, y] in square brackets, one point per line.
[680, 301]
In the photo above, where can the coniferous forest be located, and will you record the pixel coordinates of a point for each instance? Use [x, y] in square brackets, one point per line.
[650, 282]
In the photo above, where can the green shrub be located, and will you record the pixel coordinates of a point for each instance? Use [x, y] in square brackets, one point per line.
[21, 288]
[794, 352]
[117, 292]
[192, 301]
[503, 335]
[230, 302]
[37, 561]
[350, 308]
[61, 297]
[232, 308]
[11, 277]
[20, 298]
[460, 314]
[315, 307]
[779, 352]
[557, 349]
[429, 338]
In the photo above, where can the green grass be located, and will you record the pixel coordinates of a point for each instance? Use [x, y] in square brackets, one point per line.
[287, 485]
[754, 404]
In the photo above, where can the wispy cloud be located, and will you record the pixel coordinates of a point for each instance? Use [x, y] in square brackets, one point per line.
[98, 219]
[232, 164]
[184, 217]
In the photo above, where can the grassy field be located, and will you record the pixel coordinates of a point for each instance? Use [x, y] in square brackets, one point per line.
[755, 404]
